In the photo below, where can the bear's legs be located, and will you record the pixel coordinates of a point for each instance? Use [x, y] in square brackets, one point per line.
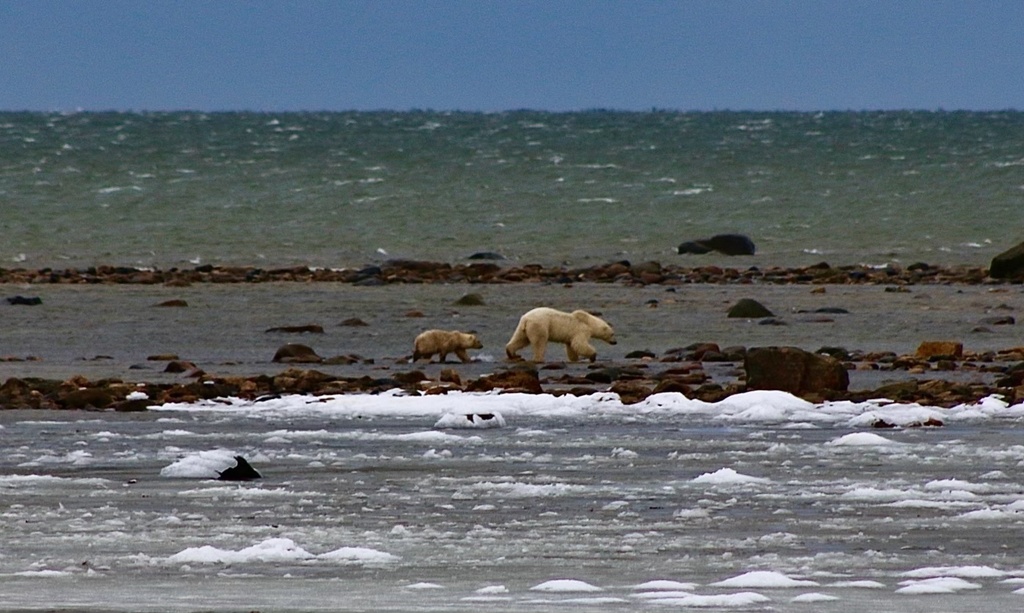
[579, 347]
[462, 355]
[538, 336]
[517, 342]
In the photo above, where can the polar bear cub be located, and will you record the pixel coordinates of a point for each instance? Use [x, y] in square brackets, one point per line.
[574, 330]
[443, 342]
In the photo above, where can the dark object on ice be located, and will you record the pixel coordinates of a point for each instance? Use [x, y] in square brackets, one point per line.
[34, 300]
[1008, 264]
[729, 244]
[748, 308]
[242, 471]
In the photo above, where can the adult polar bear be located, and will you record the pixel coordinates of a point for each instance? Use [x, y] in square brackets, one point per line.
[543, 324]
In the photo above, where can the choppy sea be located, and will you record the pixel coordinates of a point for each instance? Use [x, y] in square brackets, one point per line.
[351, 188]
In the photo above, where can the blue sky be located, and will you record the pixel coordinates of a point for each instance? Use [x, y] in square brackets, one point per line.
[484, 55]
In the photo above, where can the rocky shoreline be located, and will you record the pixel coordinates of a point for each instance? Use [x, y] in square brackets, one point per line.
[945, 377]
[702, 371]
[417, 271]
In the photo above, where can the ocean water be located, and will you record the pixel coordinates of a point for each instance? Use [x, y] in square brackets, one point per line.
[348, 189]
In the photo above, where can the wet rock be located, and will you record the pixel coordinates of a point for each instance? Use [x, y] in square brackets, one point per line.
[162, 357]
[486, 255]
[89, 398]
[793, 370]
[517, 380]
[176, 303]
[1008, 264]
[307, 329]
[630, 392]
[640, 354]
[295, 353]
[179, 366]
[728, 244]
[241, 471]
[470, 300]
[999, 320]
[25, 301]
[748, 308]
[353, 322]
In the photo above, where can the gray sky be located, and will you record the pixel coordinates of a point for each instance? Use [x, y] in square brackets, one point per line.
[481, 55]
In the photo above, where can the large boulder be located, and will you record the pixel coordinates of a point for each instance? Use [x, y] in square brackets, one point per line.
[1008, 264]
[729, 244]
[794, 370]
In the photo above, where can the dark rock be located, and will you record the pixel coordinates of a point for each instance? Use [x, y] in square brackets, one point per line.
[294, 353]
[772, 321]
[89, 398]
[177, 303]
[640, 354]
[839, 353]
[178, 366]
[307, 329]
[241, 471]
[25, 301]
[486, 255]
[999, 320]
[470, 300]
[729, 244]
[353, 322]
[832, 310]
[630, 392]
[1008, 264]
[793, 370]
[748, 308]
[517, 380]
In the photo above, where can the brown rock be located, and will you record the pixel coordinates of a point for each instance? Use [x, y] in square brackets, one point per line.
[353, 322]
[793, 370]
[178, 366]
[162, 357]
[509, 380]
[89, 398]
[630, 392]
[172, 303]
[936, 349]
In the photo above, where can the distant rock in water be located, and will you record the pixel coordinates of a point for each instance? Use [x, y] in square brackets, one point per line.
[307, 329]
[486, 255]
[294, 353]
[729, 244]
[748, 308]
[242, 471]
[1008, 264]
[22, 300]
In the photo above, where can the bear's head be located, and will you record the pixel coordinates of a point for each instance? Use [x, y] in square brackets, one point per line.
[470, 341]
[599, 328]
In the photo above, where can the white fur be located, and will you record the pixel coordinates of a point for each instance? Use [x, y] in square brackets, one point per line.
[574, 330]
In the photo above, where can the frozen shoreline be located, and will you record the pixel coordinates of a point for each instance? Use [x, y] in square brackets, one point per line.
[760, 502]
